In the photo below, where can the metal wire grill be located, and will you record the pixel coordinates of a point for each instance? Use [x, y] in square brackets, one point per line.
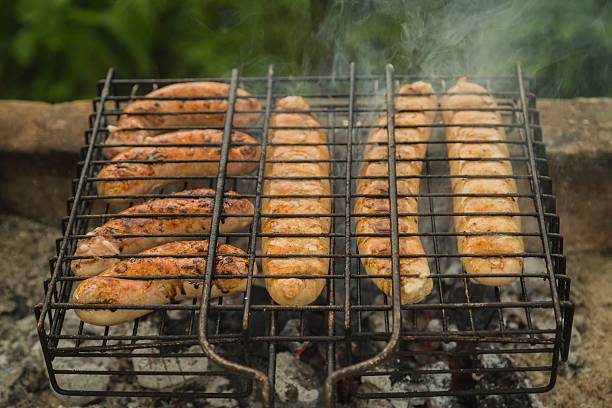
[357, 332]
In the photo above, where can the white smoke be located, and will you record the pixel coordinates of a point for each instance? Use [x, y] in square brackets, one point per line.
[440, 37]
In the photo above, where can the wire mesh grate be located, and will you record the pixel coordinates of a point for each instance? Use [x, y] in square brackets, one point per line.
[358, 334]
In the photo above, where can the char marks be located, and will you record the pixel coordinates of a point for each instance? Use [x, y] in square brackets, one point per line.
[408, 164]
[490, 162]
[303, 155]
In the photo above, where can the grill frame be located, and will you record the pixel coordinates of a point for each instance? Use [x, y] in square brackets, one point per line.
[339, 303]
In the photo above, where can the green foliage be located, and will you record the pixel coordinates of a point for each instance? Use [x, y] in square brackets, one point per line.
[56, 49]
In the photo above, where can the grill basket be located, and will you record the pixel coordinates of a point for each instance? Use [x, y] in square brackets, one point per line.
[474, 336]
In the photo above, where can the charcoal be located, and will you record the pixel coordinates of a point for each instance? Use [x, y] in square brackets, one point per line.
[381, 383]
[375, 403]
[167, 364]
[297, 384]
[292, 328]
[495, 380]
[219, 385]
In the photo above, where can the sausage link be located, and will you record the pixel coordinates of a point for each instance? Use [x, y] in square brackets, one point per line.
[289, 162]
[462, 99]
[102, 240]
[408, 163]
[242, 159]
[111, 289]
[210, 112]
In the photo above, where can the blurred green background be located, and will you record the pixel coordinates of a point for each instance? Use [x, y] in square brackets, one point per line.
[55, 50]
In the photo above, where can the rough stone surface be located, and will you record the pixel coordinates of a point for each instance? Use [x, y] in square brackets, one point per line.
[591, 386]
[573, 126]
[39, 127]
[39, 147]
[578, 138]
[38, 156]
[37, 186]
[25, 247]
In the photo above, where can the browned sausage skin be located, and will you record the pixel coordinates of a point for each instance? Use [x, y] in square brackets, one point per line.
[466, 104]
[109, 288]
[296, 291]
[409, 155]
[242, 156]
[208, 111]
[103, 240]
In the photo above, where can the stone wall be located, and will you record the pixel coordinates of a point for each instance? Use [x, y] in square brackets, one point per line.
[578, 137]
[39, 147]
[40, 143]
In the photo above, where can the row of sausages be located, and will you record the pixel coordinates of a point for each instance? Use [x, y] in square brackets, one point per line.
[296, 183]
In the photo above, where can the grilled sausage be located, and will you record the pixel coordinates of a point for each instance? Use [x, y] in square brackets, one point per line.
[485, 166]
[179, 112]
[413, 289]
[160, 168]
[102, 241]
[296, 291]
[109, 288]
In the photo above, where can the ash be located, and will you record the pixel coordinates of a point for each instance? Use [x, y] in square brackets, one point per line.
[299, 373]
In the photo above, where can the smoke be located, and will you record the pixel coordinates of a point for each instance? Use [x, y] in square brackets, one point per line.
[450, 37]
[432, 37]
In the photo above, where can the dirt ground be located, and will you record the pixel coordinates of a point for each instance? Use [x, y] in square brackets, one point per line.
[592, 294]
[25, 247]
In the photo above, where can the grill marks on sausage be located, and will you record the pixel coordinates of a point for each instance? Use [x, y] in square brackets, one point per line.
[500, 224]
[180, 112]
[407, 164]
[295, 291]
[242, 158]
[170, 206]
[104, 240]
[111, 287]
